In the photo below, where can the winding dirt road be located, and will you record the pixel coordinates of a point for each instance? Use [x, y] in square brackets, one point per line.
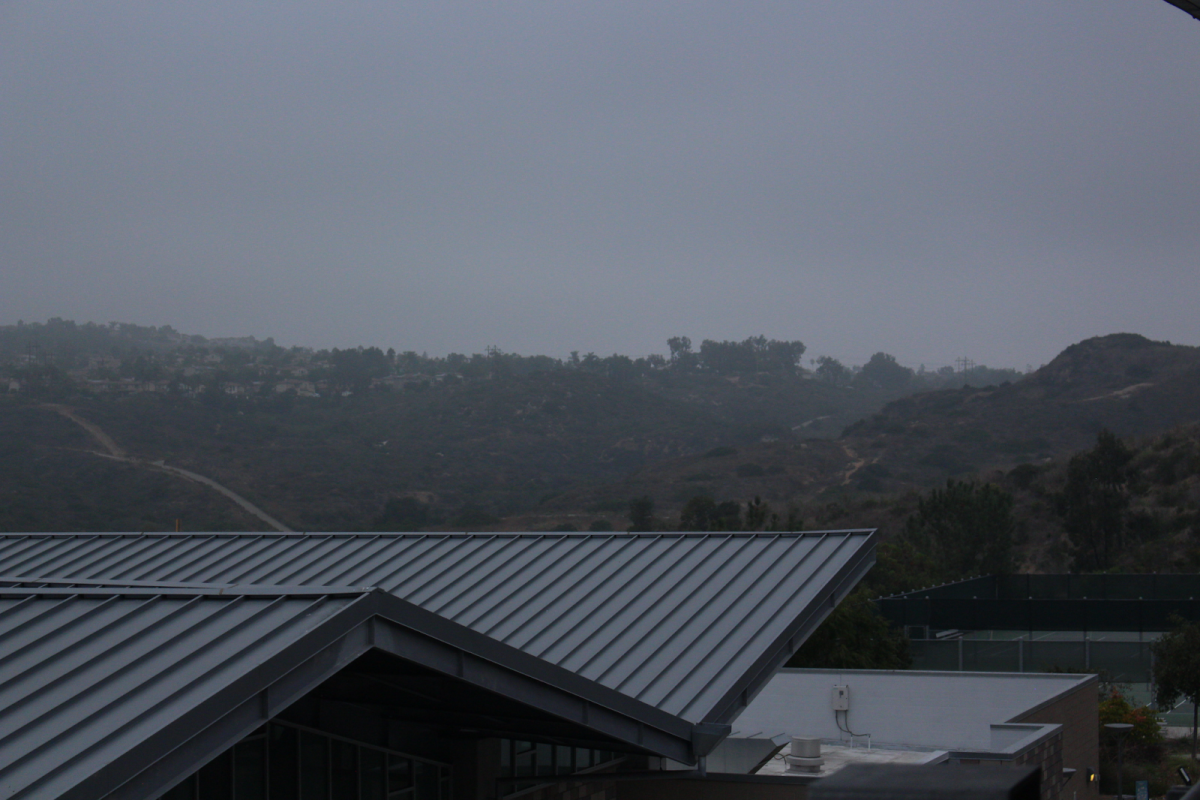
[116, 453]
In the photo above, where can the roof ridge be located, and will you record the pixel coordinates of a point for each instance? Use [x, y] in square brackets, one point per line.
[39, 587]
[444, 534]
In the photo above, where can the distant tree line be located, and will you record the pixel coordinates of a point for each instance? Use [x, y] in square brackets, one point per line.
[882, 371]
[755, 354]
[42, 352]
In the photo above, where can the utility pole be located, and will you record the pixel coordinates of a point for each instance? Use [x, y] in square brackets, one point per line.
[493, 355]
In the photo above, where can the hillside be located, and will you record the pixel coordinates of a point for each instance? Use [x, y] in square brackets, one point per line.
[466, 452]
[534, 443]
[1123, 382]
[51, 481]
[1159, 532]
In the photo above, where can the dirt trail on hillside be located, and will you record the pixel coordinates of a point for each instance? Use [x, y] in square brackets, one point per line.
[116, 453]
[1119, 394]
[100, 436]
[856, 463]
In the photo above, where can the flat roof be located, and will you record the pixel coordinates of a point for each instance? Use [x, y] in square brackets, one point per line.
[838, 757]
[904, 708]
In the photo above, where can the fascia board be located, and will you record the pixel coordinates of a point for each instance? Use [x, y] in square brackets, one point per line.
[378, 620]
[221, 720]
[64, 589]
[526, 678]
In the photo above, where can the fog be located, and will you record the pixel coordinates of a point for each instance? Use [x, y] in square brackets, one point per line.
[933, 179]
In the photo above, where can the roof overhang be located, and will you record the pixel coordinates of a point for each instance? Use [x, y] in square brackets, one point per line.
[1190, 6]
[372, 620]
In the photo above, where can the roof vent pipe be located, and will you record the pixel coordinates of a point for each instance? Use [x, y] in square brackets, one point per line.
[805, 757]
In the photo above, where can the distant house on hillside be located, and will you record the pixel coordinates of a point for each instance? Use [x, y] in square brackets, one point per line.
[301, 388]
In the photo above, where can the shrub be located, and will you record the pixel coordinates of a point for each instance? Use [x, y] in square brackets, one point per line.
[1146, 733]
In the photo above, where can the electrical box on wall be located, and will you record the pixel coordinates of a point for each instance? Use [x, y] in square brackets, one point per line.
[841, 698]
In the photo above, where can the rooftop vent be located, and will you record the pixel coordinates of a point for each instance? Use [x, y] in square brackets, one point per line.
[805, 757]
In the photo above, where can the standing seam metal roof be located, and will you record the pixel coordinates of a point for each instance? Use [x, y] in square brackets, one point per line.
[116, 691]
[82, 678]
[672, 620]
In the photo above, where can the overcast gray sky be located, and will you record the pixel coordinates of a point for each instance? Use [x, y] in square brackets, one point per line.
[932, 178]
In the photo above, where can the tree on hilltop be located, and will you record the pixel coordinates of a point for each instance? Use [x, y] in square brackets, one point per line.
[883, 372]
[832, 371]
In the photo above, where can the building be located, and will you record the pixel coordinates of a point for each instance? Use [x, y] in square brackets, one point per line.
[920, 717]
[390, 666]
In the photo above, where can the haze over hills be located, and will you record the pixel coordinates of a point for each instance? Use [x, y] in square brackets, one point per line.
[1125, 383]
[323, 440]
[396, 441]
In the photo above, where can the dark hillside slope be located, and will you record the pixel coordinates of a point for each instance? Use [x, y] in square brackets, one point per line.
[332, 463]
[50, 480]
[1124, 382]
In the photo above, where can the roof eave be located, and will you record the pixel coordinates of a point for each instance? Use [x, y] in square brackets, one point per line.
[382, 621]
[775, 657]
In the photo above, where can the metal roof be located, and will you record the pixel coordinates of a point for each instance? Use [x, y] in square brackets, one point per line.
[128, 661]
[690, 624]
[86, 680]
[118, 692]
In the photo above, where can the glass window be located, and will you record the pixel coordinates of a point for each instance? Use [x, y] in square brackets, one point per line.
[216, 778]
[427, 781]
[562, 761]
[304, 765]
[545, 759]
[583, 758]
[372, 778]
[314, 766]
[284, 764]
[399, 777]
[522, 759]
[506, 758]
[250, 768]
[343, 776]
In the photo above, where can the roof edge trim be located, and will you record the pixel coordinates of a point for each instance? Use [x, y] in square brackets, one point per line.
[775, 656]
